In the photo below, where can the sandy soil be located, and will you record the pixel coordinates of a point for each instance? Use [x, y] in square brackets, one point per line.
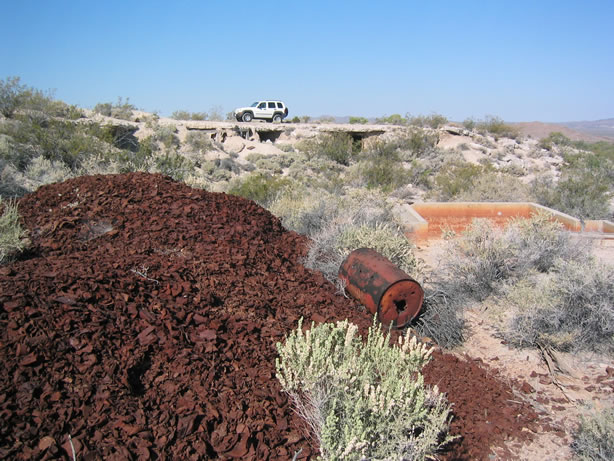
[561, 386]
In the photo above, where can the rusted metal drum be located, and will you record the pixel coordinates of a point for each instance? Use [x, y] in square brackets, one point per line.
[382, 287]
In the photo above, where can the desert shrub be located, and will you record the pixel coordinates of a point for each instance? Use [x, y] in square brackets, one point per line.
[185, 115]
[484, 256]
[469, 123]
[334, 146]
[44, 171]
[539, 241]
[594, 438]
[394, 119]
[11, 95]
[121, 109]
[556, 138]
[12, 236]
[579, 192]
[358, 120]
[199, 141]
[478, 261]
[384, 238]
[497, 127]
[260, 187]
[337, 239]
[569, 310]
[174, 165]
[166, 134]
[441, 318]
[428, 121]
[362, 401]
[384, 173]
[455, 178]
[492, 186]
[420, 143]
[305, 211]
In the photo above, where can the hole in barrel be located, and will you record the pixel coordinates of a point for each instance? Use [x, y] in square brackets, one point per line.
[400, 304]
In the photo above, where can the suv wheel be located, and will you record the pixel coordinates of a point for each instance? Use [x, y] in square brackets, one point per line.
[277, 118]
[247, 117]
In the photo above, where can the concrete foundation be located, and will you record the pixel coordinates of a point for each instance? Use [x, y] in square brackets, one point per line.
[430, 220]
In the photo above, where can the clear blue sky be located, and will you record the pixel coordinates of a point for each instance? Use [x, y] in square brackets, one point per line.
[520, 60]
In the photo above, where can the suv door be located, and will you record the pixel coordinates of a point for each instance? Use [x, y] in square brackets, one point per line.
[260, 111]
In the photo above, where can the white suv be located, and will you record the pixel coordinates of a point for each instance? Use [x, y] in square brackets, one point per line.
[272, 111]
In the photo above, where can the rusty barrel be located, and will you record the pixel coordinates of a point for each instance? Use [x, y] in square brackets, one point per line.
[382, 287]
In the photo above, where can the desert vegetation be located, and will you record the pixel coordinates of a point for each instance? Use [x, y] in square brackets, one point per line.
[363, 400]
[540, 287]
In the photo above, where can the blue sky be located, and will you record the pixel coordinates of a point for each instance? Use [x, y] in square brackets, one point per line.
[519, 60]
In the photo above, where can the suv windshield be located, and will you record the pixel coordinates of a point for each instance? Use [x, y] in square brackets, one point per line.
[254, 104]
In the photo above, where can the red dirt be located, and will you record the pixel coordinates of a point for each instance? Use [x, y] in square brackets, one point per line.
[143, 324]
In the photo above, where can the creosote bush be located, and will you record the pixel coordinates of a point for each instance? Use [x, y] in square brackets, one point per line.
[12, 236]
[363, 401]
[594, 438]
[259, 187]
[484, 255]
[334, 146]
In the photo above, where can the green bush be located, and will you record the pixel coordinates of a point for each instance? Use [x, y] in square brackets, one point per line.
[469, 123]
[358, 120]
[493, 186]
[394, 119]
[11, 95]
[594, 438]
[583, 190]
[348, 232]
[12, 236]
[456, 178]
[166, 134]
[337, 147]
[259, 187]
[428, 121]
[556, 138]
[174, 165]
[122, 110]
[363, 401]
[498, 128]
[199, 141]
[185, 115]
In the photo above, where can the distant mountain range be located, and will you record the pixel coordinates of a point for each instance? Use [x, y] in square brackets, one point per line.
[603, 127]
[590, 131]
[598, 130]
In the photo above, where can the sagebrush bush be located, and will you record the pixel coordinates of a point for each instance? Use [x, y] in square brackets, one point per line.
[337, 147]
[594, 438]
[358, 120]
[484, 256]
[121, 109]
[394, 119]
[428, 121]
[13, 238]
[185, 115]
[584, 189]
[386, 239]
[570, 309]
[259, 187]
[498, 128]
[455, 178]
[199, 141]
[363, 401]
[478, 261]
[11, 95]
[492, 186]
[305, 211]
